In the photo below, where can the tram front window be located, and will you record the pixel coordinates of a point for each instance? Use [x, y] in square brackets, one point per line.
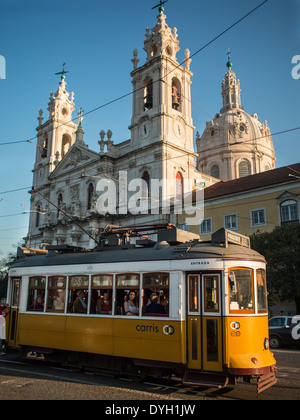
[241, 290]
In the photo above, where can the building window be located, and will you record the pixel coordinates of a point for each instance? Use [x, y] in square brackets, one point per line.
[215, 171]
[66, 144]
[231, 222]
[176, 94]
[267, 167]
[37, 220]
[179, 187]
[90, 196]
[289, 211]
[184, 226]
[244, 168]
[146, 185]
[44, 148]
[148, 94]
[59, 203]
[258, 218]
[206, 227]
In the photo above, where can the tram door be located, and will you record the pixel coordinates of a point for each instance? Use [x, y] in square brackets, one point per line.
[204, 322]
[12, 337]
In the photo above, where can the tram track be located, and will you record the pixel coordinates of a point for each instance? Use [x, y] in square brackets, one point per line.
[161, 387]
[172, 388]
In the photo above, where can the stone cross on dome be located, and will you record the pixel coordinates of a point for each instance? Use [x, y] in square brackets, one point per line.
[160, 6]
[63, 72]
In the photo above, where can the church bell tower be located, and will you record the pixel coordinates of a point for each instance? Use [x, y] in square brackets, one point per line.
[161, 114]
[57, 134]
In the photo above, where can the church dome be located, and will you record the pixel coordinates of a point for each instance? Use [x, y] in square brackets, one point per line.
[234, 144]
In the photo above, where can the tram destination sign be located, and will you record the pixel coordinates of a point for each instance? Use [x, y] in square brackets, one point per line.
[224, 236]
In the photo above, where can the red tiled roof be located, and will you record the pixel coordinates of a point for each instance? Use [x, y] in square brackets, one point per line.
[275, 176]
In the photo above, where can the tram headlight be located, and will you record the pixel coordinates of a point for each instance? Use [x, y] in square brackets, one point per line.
[267, 344]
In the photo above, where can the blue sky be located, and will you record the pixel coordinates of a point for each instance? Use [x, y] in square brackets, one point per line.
[96, 39]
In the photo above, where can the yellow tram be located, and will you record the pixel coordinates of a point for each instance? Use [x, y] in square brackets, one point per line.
[210, 329]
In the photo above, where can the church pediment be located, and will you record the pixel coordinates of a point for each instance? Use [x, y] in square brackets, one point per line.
[77, 157]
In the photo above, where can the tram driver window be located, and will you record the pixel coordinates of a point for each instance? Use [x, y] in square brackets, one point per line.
[127, 294]
[261, 291]
[36, 294]
[241, 290]
[211, 293]
[156, 294]
[78, 294]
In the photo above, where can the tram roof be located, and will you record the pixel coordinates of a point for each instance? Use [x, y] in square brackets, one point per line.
[160, 252]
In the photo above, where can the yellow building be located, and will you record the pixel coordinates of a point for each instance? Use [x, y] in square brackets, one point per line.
[246, 205]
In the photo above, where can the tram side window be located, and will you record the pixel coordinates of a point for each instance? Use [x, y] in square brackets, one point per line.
[241, 290]
[36, 294]
[56, 294]
[78, 294]
[261, 285]
[127, 294]
[101, 294]
[156, 294]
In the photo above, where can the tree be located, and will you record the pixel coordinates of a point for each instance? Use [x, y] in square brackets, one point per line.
[281, 249]
[4, 267]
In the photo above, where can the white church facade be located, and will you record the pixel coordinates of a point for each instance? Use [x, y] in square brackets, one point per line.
[161, 147]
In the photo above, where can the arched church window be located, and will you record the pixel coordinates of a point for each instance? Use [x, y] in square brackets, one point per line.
[66, 143]
[148, 94]
[37, 219]
[215, 171]
[153, 50]
[59, 203]
[176, 94]
[146, 185]
[244, 168]
[179, 187]
[44, 148]
[90, 196]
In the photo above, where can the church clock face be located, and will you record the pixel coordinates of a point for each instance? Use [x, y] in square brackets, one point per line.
[179, 128]
[145, 128]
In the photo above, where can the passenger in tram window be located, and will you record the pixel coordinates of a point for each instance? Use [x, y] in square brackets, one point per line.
[104, 305]
[165, 303]
[94, 300]
[154, 307]
[38, 304]
[131, 306]
[79, 305]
